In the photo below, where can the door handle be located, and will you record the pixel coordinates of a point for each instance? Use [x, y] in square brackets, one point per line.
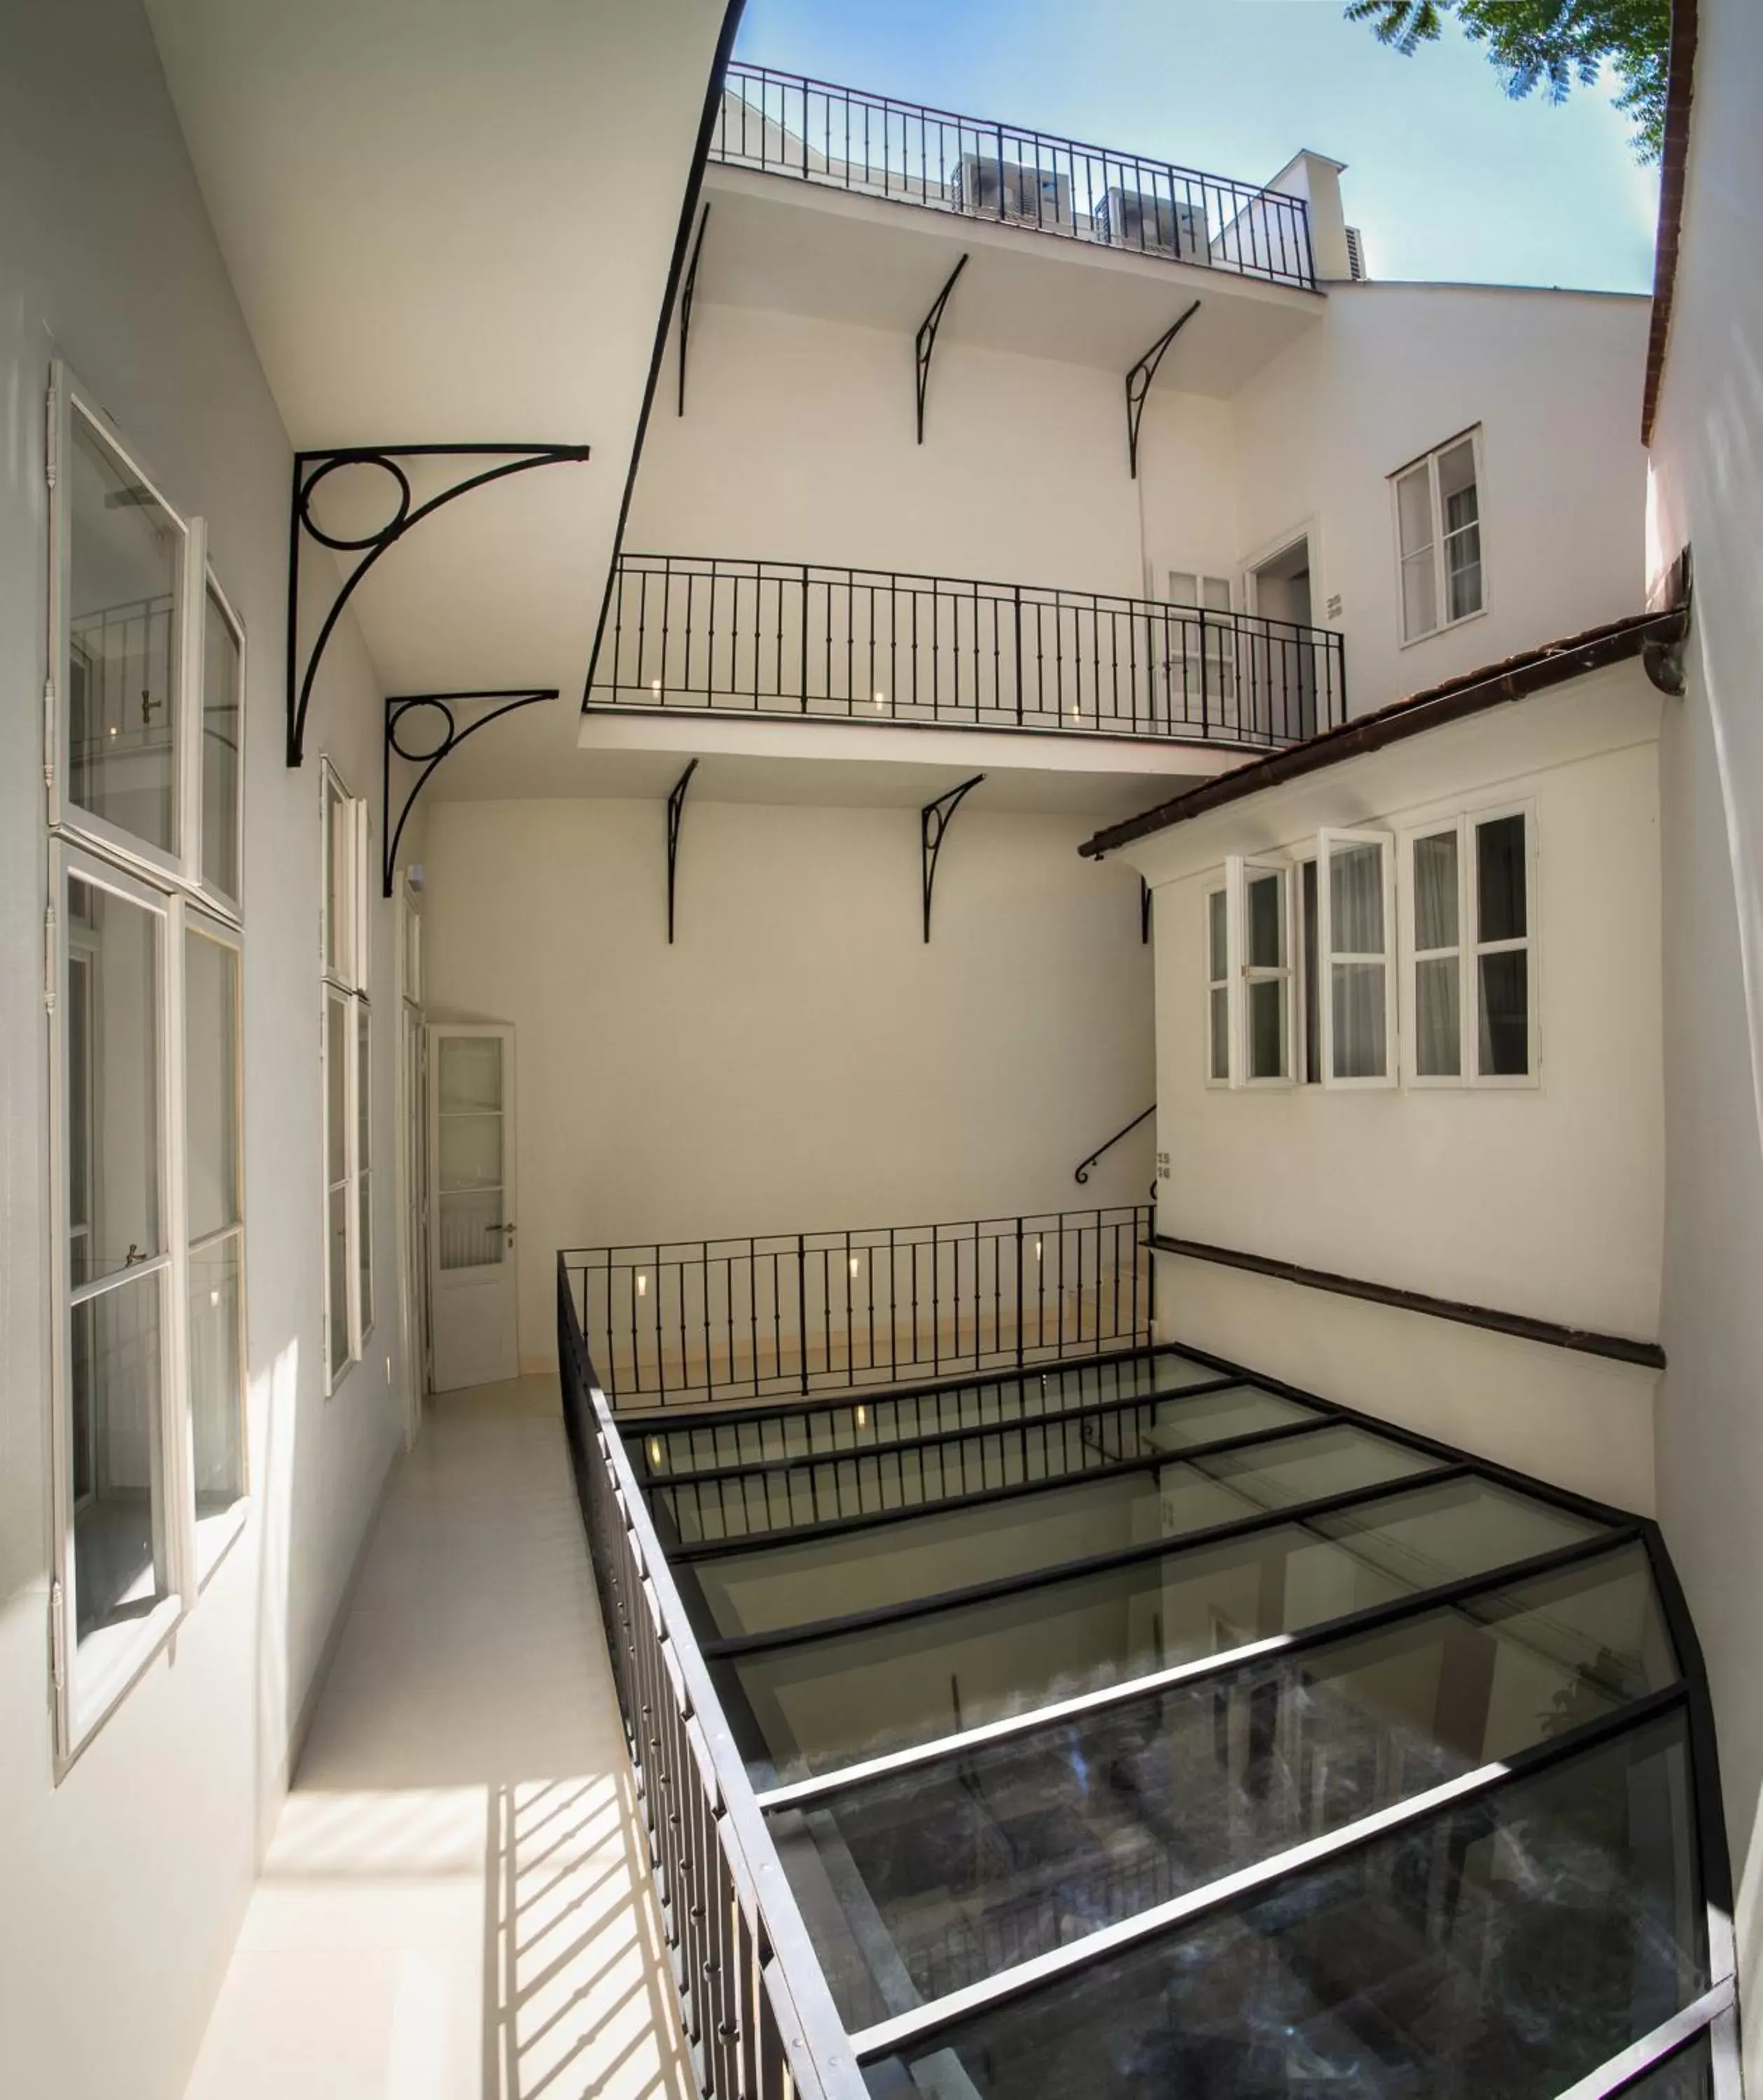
[509, 1230]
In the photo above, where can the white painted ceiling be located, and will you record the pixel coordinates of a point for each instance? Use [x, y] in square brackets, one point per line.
[452, 221]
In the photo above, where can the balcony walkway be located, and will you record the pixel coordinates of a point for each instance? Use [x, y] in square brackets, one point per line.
[455, 1906]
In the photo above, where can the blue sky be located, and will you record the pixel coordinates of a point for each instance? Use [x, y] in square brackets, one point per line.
[1448, 177]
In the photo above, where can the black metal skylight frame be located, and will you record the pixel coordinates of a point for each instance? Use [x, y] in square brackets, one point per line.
[1712, 2015]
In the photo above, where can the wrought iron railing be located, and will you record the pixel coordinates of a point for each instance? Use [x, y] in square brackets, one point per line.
[798, 1312]
[799, 639]
[758, 2017]
[844, 138]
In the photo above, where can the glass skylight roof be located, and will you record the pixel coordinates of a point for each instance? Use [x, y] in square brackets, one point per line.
[1140, 1728]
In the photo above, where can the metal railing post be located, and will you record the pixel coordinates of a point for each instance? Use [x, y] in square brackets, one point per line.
[802, 1308]
[1018, 1294]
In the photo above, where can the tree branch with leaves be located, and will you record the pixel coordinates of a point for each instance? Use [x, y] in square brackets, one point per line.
[1550, 46]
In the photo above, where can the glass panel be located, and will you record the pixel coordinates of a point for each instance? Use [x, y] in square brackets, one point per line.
[1463, 532]
[112, 1083]
[336, 881]
[471, 1153]
[913, 1557]
[1356, 899]
[1420, 597]
[1220, 1032]
[1267, 1029]
[1266, 921]
[1420, 584]
[363, 1240]
[222, 734]
[337, 1089]
[1360, 1039]
[1507, 1946]
[921, 1883]
[472, 1233]
[1688, 2076]
[828, 1702]
[1437, 1018]
[364, 1087]
[1500, 885]
[781, 1434]
[211, 1082]
[470, 1073]
[1435, 891]
[123, 644]
[1504, 1030]
[1414, 511]
[216, 1373]
[114, 1390]
[816, 1491]
[1312, 998]
[339, 1301]
[1218, 946]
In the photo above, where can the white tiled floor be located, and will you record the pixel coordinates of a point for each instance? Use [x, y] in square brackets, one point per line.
[455, 1906]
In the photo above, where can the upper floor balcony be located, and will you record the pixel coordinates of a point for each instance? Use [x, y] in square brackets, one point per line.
[873, 145]
[804, 642]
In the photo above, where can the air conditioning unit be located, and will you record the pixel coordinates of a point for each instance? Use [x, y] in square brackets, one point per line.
[1155, 225]
[1010, 190]
[1356, 270]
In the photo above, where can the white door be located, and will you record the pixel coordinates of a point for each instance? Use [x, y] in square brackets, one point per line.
[471, 1218]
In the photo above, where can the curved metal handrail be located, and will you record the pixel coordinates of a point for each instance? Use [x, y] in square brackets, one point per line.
[1126, 1130]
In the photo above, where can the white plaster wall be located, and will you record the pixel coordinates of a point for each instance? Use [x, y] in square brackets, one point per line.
[1708, 489]
[1551, 376]
[1546, 1200]
[800, 1059]
[123, 1884]
[798, 444]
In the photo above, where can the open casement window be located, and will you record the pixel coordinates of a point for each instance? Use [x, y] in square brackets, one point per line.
[1355, 929]
[345, 1043]
[147, 664]
[1218, 975]
[1261, 983]
[121, 1540]
[1438, 538]
[1307, 1063]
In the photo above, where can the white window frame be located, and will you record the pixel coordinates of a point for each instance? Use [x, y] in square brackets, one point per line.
[89, 1677]
[1329, 955]
[1413, 954]
[1306, 957]
[345, 831]
[214, 1534]
[1429, 461]
[1219, 887]
[1239, 872]
[1470, 948]
[218, 900]
[1474, 948]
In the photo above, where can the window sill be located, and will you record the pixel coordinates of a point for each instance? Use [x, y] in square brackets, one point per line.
[214, 1536]
[105, 1668]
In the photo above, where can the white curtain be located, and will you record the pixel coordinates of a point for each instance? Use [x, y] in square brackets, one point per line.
[1359, 990]
[1437, 992]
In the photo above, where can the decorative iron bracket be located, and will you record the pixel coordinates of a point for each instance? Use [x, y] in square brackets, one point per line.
[676, 813]
[687, 293]
[310, 469]
[429, 755]
[926, 341]
[1144, 913]
[933, 825]
[1138, 385]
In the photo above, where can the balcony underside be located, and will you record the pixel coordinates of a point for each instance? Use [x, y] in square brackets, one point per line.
[872, 262]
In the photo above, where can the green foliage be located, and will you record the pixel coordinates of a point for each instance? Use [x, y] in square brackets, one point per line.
[1553, 45]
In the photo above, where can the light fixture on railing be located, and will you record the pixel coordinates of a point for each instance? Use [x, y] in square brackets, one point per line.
[880, 701]
[642, 1285]
[1037, 1247]
[654, 1450]
[856, 1264]
[862, 1415]
[655, 687]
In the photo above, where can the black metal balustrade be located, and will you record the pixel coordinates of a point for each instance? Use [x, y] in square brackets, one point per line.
[843, 138]
[796, 639]
[800, 1312]
[754, 2007]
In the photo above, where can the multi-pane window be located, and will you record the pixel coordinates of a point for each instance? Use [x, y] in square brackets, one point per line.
[1204, 662]
[1470, 949]
[1264, 1006]
[1354, 938]
[1217, 987]
[346, 1037]
[1438, 536]
[146, 680]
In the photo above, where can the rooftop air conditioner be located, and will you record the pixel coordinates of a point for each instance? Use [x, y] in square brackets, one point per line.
[1156, 225]
[1031, 197]
[1356, 270]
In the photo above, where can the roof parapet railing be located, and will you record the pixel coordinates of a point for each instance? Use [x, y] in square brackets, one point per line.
[872, 145]
[806, 640]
